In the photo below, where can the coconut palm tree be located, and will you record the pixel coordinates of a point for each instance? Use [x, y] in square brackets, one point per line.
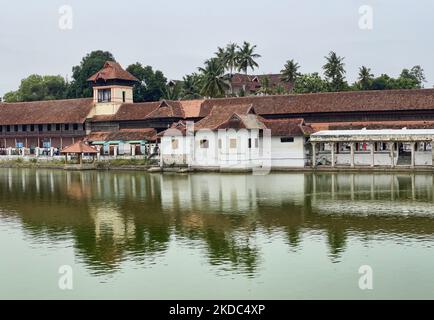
[221, 54]
[214, 82]
[365, 78]
[191, 87]
[246, 57]
[231, 57]
[334, 70]
[290, 71]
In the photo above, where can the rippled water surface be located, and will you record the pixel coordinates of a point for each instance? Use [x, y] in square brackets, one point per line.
[200, 236]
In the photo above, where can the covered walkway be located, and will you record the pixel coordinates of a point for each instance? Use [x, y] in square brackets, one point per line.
[388, 147]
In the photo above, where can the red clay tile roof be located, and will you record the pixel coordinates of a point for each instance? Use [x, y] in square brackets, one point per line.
[350, 101]
[168, 109]
[218, 116]
[112, 71]
[287, 127]
[191, 108]
[45, 112]
[79, 147]
[135, 111]
[102, 118]
[176, 129]
[123, 135]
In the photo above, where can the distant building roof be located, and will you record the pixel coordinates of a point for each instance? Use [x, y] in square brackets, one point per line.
[252, 83]
[348, 101]
[45, 112]
[112, 71]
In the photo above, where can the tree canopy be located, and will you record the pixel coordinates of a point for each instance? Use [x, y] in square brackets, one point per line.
[89, 65]
[37, 88]
[213, 79]
[152, 85]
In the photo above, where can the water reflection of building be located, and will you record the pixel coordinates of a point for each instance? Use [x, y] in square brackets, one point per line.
[231, 193]
[117, 216]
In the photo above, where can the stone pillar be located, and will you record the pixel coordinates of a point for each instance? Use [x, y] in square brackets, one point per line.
[372, 154]
[352, 154]
[314, 154]
[432, 152]
[51, 152]
[37, 152]
[115, 151]
[333, 154]
[133, 150]
[392, 154]
[413, 154]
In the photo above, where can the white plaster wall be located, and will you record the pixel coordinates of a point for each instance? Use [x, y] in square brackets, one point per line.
[268, 151]
[178, 156]
[288, 154]
[423, 158]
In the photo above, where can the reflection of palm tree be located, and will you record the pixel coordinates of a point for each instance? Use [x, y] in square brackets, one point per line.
[337, 239]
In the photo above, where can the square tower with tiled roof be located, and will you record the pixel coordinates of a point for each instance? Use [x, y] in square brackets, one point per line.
[112, 86]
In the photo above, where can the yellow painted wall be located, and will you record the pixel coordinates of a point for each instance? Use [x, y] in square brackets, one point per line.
[109, 108]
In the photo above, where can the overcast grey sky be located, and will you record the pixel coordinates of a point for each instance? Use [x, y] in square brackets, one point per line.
[177, 36]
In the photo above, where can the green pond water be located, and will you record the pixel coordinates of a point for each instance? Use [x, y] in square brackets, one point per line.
[135, 235]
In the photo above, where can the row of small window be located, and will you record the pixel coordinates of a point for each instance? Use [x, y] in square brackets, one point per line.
[41, 127]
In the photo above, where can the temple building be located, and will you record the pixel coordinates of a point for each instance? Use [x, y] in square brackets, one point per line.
[320, 129]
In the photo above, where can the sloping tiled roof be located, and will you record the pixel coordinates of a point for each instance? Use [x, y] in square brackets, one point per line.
[191, 108]
[351, 101]
[45, 112]
[79, 147]
[168, 109]
[287, 127]
[135, 111]
[112, 71]
[124, 135]
[219, 116]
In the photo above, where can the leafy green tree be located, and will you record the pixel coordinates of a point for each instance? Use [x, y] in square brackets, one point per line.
[12, 96]
[334, 70]
[152, 84]
[191, 87]
[310, 83]
[383, 82]
[365, 78]
[246, 57]
[37, 88]
[418, 73]
[412, 79]
[290, 71]
[89, 65]
[214, 83]
[279, 90]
